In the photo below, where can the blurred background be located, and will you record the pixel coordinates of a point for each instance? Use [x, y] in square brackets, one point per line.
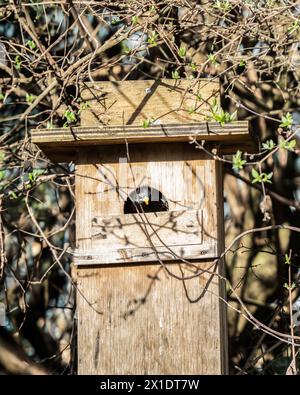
[48, 50]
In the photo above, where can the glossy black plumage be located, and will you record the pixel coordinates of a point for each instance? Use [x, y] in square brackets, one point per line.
[147, 200]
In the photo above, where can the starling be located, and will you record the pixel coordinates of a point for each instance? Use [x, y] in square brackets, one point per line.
[147, 200]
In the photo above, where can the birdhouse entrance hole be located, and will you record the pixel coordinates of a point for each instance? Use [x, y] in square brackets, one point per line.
[145, 199]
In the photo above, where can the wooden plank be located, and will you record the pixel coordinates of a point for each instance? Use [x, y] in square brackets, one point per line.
[84, 183]
[158, 254]
[131, 102]
[146, 229]
[148, 237]
[180, 174]
[145, 321]
[230, 135]
[144, 310]
[222, 268]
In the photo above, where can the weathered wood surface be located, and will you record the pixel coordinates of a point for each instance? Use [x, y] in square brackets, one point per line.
[144, 254]
[147, 317]
[114, 112]
[131, 102]
[146, 237]
[143, 320]
[105, 178]
[146, 314]
[229, 137]
[222, 267]
[149, 322]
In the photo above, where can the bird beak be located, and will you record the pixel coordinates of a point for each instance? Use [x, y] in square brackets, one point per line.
[146, 200]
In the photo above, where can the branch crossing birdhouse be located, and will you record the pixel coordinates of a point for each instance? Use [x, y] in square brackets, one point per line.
[149, 225]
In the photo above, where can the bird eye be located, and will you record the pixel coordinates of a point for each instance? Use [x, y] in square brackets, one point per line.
[145, 199]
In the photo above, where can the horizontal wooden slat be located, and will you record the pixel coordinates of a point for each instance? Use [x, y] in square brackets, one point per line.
[132, 238]
[142, 255]
[231, 135]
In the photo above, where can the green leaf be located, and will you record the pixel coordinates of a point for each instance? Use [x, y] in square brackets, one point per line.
[31, 44]
[193, 66]
[261, 177]
[289, 287]
[293, 27]
[292, 144]
[267, 177]
[18, 62]
[191, 110]
[13, 195]
[135, 20]
[70, 116]
[34, 174]
[221, 116]
[182, 52]
[269, 145]
[287, 260]
[222, 5]
[233, 116]
[115, 20]
[254, 173]
[175, 75]
[213, 60]
[237, 161]
[288, 145]
[152, 39]
[199, 96]
[147, 123]
[125, 48]
[30, 98]
[152, 9]
[286, 120]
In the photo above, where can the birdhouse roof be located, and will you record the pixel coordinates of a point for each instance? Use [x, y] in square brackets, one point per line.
[147, 111]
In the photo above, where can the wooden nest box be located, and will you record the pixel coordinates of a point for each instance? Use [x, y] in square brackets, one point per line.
[149, 226]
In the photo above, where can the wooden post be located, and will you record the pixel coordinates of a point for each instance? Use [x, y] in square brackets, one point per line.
[151, 278]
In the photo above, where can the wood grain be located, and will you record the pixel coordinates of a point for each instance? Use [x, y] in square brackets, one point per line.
[149, 321]
[149, 325]
[114, 113]
[142, 318]
[230, 136]
[147, 237]
[131, 102]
